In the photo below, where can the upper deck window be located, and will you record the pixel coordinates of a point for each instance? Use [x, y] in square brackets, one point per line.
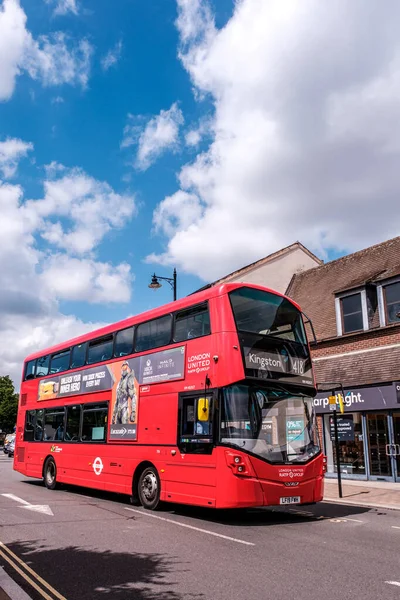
[60, 362]
[42, 366]
[124, 342]
[78, 358]
[192, 323]
[30, 369]
[264, 313]
[153, 334]
[100, 350]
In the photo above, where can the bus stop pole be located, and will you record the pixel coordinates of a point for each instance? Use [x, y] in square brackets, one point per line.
[337, 449]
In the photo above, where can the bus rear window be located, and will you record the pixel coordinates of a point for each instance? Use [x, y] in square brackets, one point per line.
[30, 369]
[256, 311]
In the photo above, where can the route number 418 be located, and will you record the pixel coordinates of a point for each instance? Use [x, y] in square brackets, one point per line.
[298, 366]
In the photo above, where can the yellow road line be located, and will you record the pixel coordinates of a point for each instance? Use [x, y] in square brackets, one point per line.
[28, 579]
[3, 548]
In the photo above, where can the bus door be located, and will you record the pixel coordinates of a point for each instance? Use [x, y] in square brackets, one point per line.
[191, 470]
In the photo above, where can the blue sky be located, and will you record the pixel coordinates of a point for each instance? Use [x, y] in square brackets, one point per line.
[203, 135]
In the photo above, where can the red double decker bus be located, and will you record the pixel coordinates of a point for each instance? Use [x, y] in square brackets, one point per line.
[206, 401]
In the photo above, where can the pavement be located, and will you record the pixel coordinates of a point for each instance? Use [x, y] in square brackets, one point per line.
[379, 494]
[80, 544]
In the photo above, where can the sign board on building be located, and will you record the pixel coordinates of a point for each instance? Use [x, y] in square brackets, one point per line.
[345, 427]
[363, 398]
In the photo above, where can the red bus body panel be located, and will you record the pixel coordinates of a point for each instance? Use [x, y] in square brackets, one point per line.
[197, 479]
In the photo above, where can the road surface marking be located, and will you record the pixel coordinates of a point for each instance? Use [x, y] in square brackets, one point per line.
[4, 550]
[395, 527]
[40, 508]
[225, 537]
[393, 583]
[355, 520]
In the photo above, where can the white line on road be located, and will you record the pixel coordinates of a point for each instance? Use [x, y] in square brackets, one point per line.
[225, 537]
[393, 583]
[355, 520]
[40, 508]
[395, 527]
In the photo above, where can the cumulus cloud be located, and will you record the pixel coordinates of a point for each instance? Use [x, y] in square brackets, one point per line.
[305, 143]
[52, 59]
[112, 56]
[161, 133]
[11, 152]
[87, 280]
[34, 279]
[196, 134]
[87, 209]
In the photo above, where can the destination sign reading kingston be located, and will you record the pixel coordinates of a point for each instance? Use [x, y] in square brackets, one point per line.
[276, 360]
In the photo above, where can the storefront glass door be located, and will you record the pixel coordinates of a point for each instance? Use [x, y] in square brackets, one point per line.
[396, 443]
[380, 462]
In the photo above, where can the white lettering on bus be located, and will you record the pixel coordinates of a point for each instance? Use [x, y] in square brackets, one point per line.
[199, 362]
[264, 362]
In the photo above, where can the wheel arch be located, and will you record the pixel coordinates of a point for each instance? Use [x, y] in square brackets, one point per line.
[136, 476]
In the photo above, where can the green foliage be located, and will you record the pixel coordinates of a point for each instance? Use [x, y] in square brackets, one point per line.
[8, 404]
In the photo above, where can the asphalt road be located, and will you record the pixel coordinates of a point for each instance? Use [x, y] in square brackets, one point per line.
[89, 544]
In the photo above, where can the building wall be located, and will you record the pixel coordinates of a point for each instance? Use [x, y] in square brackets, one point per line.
[277, 273]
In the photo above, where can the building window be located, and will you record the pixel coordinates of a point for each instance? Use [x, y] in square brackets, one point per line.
[392, 301]
[352, 313]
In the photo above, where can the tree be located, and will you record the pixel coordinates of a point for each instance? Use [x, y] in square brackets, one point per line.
[8, 404]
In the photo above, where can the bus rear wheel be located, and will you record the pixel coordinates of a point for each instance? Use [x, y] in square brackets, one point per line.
[50, 474]
[149, 488]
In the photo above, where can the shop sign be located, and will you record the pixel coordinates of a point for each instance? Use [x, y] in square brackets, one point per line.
[345, 426]
[357, 399]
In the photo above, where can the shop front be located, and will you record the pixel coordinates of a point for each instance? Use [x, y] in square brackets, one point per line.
[368, 432]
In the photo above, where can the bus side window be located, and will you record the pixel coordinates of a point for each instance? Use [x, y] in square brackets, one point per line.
[39, 425]
[42, 366]
[73, 423]
[59, 362]
[30, 369]
[192, 323]
[153, 334]
[100, 349]
[78, 358]
[30, 419]
[123, 342]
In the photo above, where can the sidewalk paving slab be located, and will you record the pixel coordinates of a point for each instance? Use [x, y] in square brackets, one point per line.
[374, 494]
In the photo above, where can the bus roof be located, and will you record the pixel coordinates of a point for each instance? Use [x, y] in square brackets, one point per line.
[181, 304]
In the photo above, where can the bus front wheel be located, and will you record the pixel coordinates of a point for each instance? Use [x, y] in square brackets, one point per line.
[149, 488]
[50, 474]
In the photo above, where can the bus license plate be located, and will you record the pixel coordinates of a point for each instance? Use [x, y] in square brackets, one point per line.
[290, 500]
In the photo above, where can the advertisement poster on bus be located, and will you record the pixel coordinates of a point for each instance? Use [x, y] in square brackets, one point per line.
[123, 378]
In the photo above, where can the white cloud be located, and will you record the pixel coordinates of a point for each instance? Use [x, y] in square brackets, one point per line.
[87, 280]
[62, 7]
[52, 59]
[11, 152]
[161, 133]
[33, 280]
[305, 142]
[87, 210]
[194, 136]
[112, 56]
[57, 100]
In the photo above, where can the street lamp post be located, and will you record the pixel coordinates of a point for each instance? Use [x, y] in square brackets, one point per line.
[155, 283]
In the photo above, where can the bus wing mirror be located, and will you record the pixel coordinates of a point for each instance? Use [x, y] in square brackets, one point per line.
[203, 409]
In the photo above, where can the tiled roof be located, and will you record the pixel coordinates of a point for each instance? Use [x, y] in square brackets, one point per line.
[314, 290]
[360, 369]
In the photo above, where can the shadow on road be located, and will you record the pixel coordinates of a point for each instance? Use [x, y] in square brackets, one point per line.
[234, 517]
[86, 574]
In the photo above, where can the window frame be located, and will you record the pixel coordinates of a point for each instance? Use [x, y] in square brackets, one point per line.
[60, 409]
[204, 305]
[133, 327]
[384, 301]
[34, 360]
[57, 354]
[339, 311]
[168, 314]
[84, 408]
[97, 341]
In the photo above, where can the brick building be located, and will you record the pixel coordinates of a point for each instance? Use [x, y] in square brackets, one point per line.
[354, 304]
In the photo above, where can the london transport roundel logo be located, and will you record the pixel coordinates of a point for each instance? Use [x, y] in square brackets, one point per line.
[97, 465]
